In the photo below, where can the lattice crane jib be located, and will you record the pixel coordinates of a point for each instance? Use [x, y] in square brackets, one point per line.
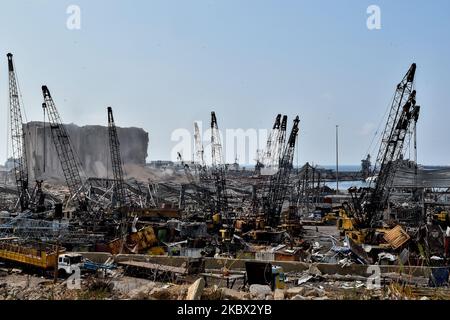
[279, 182]
[18, 137]
[116, 161]
[280, 144]
[403, 116]
[271, 145]
[402, 94]
[218, 166]
[199, 150]
[200, 165]
[69, 162]
[187, 169]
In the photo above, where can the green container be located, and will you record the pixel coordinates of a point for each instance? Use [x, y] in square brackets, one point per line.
[162, 235]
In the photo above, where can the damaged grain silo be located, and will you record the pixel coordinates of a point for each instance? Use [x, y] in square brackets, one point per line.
[90, 143]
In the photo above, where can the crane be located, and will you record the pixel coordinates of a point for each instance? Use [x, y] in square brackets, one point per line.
[279, 182]
[403, 116]
[18, 138]
[199, 152]
[66, 154]
[187, 169]
[199, 155]
[272, 141]
[218, 167]
[270, 157]
[116, 161]
[280, 142]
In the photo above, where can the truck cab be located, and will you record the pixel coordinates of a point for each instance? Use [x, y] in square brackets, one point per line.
[69, 263]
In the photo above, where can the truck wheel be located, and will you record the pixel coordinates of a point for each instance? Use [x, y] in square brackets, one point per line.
[62, 274]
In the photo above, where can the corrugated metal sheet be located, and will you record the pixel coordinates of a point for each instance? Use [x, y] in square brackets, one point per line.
[396, 237]
[265, 256]
[191, 252]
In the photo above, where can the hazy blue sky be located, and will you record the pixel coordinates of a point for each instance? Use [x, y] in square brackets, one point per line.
[164, 64]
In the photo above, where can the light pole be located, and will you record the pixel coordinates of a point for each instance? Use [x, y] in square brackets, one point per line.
[337, 159]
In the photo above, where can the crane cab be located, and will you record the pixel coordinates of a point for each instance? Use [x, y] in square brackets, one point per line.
[68, 263]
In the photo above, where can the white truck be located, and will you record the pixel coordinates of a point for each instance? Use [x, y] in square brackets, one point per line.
[68, 263]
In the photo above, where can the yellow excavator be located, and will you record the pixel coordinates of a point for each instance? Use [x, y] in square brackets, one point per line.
[348, 226]
[441, 217]
[353, 229]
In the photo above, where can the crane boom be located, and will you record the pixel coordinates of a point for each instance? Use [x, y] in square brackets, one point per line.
[67, 157]
[187, 169]
[279, 182]
[403, 116]
[200, 165]
[402, 95]
[380, 196]
[218, 167]
[272, 144]
[18, 138]
[280, 143]
[116, 161]
[199, 151]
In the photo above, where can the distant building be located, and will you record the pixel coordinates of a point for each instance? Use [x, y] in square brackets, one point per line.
[161, 164]
[366, 167]
[234, 166]
[9, 164]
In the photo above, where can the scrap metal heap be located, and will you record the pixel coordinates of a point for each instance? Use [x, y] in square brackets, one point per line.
[306, 190]
[196, 189]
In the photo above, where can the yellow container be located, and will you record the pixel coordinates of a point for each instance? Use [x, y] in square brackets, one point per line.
[278, 277]
[216, 218]
[156, 251]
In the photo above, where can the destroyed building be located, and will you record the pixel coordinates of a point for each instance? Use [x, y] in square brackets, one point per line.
[91, 145]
